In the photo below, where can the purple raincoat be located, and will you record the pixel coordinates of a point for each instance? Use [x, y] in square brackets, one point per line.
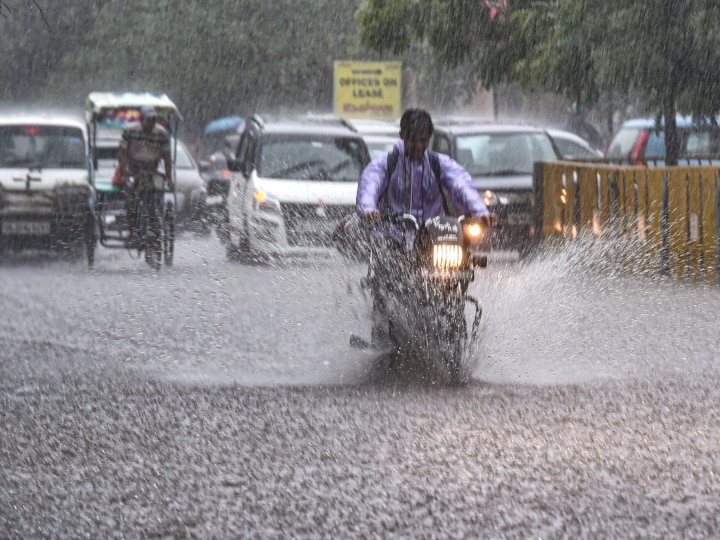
[413, 188]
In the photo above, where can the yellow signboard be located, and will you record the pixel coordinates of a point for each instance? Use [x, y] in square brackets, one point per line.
[368, 89]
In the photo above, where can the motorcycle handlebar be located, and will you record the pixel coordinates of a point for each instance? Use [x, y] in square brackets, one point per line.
[491, 221]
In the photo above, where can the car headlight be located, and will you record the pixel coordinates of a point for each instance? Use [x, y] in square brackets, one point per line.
[515, 197]
[447, 256]
[490, 198]
[265, 202]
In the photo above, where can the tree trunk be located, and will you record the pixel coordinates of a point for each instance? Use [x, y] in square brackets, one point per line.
[672, 141]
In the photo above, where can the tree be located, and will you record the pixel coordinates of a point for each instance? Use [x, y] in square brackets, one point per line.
[35, 37]
[665, 50]
[215, 57]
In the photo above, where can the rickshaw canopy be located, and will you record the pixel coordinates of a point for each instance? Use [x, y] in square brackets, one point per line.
[116, 109]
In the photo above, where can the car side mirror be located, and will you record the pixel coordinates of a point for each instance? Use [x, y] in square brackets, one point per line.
[204, 166]
[235, 165]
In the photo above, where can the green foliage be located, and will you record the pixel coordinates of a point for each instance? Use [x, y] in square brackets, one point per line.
[665, 50]
[213, 57]
[34, 37]
[216, 57]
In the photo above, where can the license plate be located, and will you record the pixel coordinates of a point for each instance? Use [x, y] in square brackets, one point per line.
[519, 219]
[26, 227]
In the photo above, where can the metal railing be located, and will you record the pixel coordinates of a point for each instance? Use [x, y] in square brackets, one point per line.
[670, 214]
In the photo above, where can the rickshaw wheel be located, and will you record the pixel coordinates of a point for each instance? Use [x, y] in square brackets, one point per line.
[153, 232]
[90, 238]
[169, 234]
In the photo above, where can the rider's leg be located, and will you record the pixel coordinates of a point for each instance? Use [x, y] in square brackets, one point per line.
[379, 333]
[131, 214]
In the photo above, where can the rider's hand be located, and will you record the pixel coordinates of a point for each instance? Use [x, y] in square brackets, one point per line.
[490, 219]
[371, 218]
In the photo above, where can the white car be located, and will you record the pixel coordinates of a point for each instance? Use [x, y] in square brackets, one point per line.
[572, 146]
[367, 126]
[379, 144]
[293, 182]
[46, 191]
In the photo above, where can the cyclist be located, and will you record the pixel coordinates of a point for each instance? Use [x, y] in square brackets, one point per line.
[143, 145]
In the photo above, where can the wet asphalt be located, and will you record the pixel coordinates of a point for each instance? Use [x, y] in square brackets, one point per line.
[221, 400]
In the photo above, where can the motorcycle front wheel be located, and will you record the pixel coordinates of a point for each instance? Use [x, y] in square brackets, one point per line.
[452, 337]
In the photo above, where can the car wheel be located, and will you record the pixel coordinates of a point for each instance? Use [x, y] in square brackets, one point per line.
[235, 252]
[169, 234]
[223, 226]
[90, 234]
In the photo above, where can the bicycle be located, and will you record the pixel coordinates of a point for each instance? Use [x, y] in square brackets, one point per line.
[155, 221]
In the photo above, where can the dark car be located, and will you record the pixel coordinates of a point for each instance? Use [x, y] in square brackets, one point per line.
[500, 158]
[641, 142]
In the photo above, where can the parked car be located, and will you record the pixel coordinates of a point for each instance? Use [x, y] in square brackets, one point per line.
[640, 141]
[219, 142]
[293, 181]
[379, 144]
[190, 191]
[572, 146]
[46, 187]
[500, 158]
[369, 126]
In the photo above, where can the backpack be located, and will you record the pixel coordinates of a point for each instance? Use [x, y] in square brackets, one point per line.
[433, 158]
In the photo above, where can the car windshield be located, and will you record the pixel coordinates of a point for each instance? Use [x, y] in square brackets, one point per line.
[491, 154]
[38, 146]
[336, 159]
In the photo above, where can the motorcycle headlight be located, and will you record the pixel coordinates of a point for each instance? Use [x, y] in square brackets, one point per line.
[473, 230]
[447, 256]
[490, 198]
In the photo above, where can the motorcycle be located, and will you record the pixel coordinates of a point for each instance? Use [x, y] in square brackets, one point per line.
[419, 279]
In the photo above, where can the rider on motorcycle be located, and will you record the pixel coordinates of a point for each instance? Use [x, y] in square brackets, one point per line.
[413, 180]
[143, 145]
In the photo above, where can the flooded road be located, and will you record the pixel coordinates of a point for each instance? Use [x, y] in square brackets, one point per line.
[216, 399]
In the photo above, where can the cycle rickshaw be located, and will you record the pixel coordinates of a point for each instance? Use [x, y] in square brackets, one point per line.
[106, 115]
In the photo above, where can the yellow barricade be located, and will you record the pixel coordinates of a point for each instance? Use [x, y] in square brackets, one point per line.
[670, 214]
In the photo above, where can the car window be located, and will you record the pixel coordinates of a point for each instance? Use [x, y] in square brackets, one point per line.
[107, 157]
[503, 153]
[338, 159]
[573, 150]
[441, 144]
[183, 159]
[655, 147]
[53, 147]
[377, 149]
[703, 142]
[623, 143]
